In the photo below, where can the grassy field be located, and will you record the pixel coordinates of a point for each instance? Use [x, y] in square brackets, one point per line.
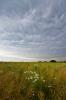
[32, 81]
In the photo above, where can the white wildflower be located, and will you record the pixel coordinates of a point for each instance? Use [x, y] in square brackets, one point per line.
[31, 77]
[35, 81]
[44, 81]
[31, 72]
[34, 72]
[25, 72]
[49, 86]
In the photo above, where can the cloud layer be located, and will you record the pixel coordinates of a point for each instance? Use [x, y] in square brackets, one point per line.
[33, 29]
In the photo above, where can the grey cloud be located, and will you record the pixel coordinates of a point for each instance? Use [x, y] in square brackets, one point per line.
[36, 27]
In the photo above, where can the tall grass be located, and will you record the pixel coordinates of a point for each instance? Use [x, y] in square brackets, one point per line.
[32, 81]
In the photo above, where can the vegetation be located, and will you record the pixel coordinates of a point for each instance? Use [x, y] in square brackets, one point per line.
[32, 81]
[53, 61]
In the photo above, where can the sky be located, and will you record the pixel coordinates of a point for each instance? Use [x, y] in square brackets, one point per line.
[32, 30]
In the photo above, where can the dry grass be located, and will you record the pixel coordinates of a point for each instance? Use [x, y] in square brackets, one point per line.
[32, 81]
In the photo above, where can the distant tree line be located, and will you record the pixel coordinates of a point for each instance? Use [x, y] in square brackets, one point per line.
[53, 61]
[47, 61]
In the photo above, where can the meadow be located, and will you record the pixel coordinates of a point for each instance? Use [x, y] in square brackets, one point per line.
[32, 81]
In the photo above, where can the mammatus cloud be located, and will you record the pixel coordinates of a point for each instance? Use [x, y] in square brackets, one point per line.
[32, 29]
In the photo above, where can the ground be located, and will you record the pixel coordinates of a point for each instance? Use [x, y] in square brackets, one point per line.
[32, 81]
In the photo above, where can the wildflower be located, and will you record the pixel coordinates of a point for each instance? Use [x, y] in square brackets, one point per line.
[34, 76]
[34, 72]
[35, 81]
[44, 81]
[31, 77]
[25, 72]
[33, 94]
[31, 72]
[49, 86]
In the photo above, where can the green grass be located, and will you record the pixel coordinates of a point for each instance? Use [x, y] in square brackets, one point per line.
[32, 81]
